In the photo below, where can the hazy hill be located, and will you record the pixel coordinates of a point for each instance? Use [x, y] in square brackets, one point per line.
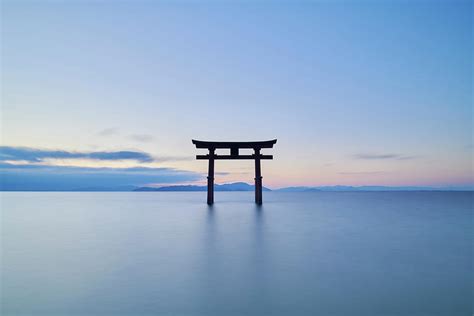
[344, 188]
[236, 186]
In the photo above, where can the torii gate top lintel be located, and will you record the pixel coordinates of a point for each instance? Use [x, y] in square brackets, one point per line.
[234, 154]
[234, 149]
[257, 144]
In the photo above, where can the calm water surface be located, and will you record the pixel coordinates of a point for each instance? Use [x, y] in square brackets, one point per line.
[322, 253]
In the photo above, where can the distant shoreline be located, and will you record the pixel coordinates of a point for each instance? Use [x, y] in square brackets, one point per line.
[245, 187]
[234, 191]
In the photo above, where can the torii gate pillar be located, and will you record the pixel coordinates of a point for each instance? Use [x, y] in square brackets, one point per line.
[210, 178]
[234, 154]
[258, 178]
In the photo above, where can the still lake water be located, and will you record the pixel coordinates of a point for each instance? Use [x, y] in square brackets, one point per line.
[168, 253]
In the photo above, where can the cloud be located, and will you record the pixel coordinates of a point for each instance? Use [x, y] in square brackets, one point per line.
[221, 173]
[226, 173]
[8, 153]
[61, 178]
[384, 156]
[108, 131]
[361, 172]
[174, 158]
[143, 138]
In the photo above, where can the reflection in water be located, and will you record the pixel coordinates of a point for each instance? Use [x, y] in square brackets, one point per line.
[259, 265]
[211, 259]
[259, 251]
[234, 258]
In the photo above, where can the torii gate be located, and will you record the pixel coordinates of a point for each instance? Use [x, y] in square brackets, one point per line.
[234, 154]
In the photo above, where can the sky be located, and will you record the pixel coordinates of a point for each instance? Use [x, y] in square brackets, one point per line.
[100, 93]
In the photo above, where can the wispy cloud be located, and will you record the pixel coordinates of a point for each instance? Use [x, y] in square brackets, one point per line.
[221, 173]
[174, 158]
[108, 131]
[8, 153]
[382, 156]
[361, 172]
[42, 177]
[143, 138]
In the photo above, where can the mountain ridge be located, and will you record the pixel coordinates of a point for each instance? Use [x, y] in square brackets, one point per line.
[235, 186]
[242, 186]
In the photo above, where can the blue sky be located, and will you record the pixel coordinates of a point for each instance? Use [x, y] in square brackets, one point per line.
[357, 92]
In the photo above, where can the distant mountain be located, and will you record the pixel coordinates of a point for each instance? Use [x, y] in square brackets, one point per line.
[120, 188]
[344, 188]
[297, 189]
[242, 186]
[236, 186]
[172, 188]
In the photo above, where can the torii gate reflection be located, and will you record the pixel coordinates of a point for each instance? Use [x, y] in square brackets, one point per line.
[234, 154]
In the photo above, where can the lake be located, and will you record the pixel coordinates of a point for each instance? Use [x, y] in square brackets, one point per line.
[168, 253]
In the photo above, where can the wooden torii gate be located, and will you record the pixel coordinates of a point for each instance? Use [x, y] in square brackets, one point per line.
[234, 154]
